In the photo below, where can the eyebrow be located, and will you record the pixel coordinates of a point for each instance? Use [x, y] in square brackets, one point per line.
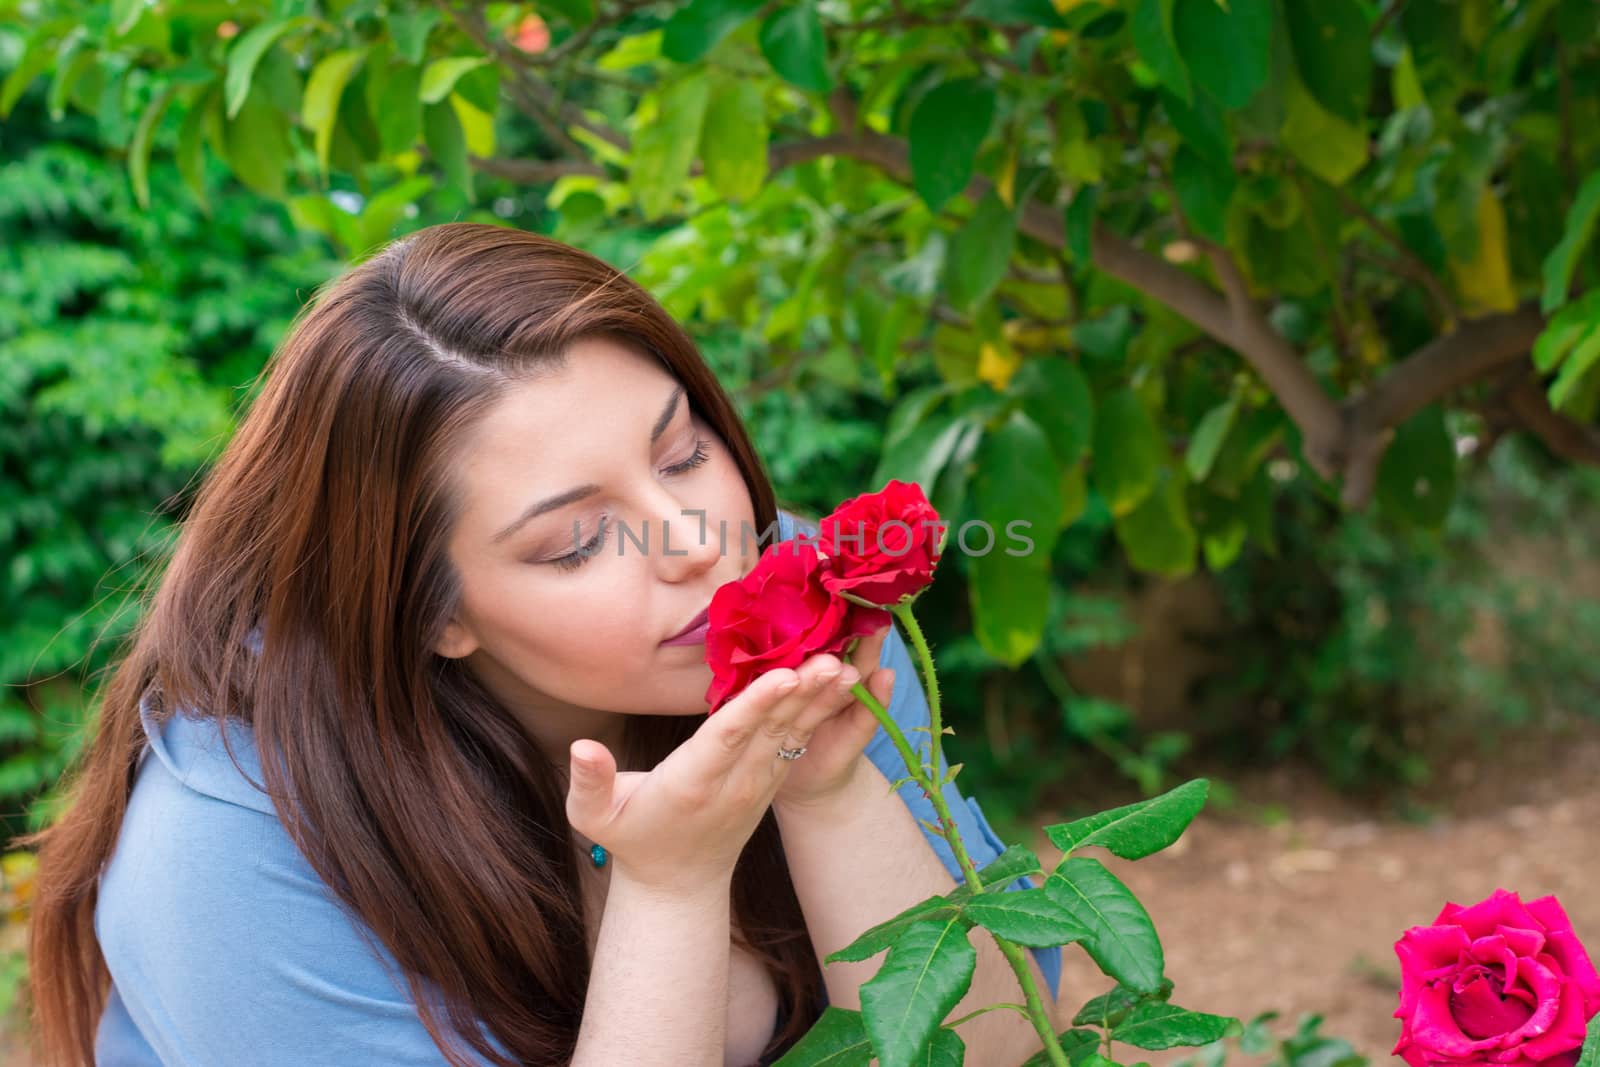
[580, 492]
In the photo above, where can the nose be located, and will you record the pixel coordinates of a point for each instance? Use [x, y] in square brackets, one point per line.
[684, 541]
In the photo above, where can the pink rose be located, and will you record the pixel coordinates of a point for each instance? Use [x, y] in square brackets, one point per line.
[882, 547]
[1499, 982]
[778, 615]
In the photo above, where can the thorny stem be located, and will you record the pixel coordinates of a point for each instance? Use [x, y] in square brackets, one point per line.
[934, 791]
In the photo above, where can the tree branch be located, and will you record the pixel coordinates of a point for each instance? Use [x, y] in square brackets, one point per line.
[1568, 439]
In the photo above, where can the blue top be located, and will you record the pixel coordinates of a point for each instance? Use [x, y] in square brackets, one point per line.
[225, 946]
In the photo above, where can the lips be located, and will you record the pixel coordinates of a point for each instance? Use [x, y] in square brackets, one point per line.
[694, 623]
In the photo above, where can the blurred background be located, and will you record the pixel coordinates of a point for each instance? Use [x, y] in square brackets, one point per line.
[1276, 319]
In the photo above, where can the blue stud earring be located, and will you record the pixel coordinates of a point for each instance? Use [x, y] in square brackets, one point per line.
[598, 854]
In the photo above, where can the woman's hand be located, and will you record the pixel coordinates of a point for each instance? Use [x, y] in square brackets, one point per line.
[836, 734]
[684, 823]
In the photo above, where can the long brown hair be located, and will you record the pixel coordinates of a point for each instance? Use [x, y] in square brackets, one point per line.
[409, 789]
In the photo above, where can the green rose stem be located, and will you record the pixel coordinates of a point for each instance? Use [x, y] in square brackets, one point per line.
[934, 792]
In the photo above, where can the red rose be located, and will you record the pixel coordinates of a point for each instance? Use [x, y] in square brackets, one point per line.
[1500, 982]
[778, 615]
[882, 547]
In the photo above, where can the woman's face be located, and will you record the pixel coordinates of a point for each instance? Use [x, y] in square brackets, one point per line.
[560, 638]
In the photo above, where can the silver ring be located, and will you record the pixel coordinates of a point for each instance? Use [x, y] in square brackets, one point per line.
[791, 753]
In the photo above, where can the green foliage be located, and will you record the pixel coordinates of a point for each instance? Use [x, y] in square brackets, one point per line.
[1132, 193]
[124, 334]
[1305, 1047]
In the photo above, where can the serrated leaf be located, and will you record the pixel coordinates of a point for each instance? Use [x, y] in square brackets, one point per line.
[928, 970]
[1122, 940]
[837, 1039]
[1110, 1008]
[1029, 917]
[1135, 830]
[1154, 1025]
[884, 934]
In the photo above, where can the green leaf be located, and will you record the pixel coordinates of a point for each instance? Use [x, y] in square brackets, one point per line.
[1156, 44]
[37, 54]
[247, 51]
[190, 156]
[1203, 125]
[1157, 534]
[321, 104]
[672, 116]
[447, 144]
[1226, 49]
[1015, 862]
[398, 110]
[1015, 13]
[1154, 1025]
[139, 146]
[733, 140]
[793, 42]
[1029, 917]
[1079, 1045]
[879, 937]
[1563, 259]
[928, 971]
[1110, 1008]
[837, 1039]
[980, 252]
[1128, 451]
[1208, 437]
[1332, 148]
[1417, 475]
[947, 127]
[1585, 355]
[1122, 941]
[440, 76]
[1204, 189]
[1589, 1054]
[1136, 830]
[946, 1050]
[257, 145]
[1056, 395]
[1017, 496]
[1333, 50]
[409, 30]
[1080, 223]
[697, 26]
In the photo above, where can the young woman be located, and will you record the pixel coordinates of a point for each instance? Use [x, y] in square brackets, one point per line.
[402, 765]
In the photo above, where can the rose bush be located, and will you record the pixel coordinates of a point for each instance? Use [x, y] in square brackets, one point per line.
[806, 597]
[1500, 981]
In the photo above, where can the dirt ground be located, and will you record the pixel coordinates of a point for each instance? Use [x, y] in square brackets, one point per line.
[1299, 912]
[1292, 899]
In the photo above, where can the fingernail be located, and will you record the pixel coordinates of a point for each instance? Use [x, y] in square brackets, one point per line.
[790, 686]
[849, 678]
[826, 677]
